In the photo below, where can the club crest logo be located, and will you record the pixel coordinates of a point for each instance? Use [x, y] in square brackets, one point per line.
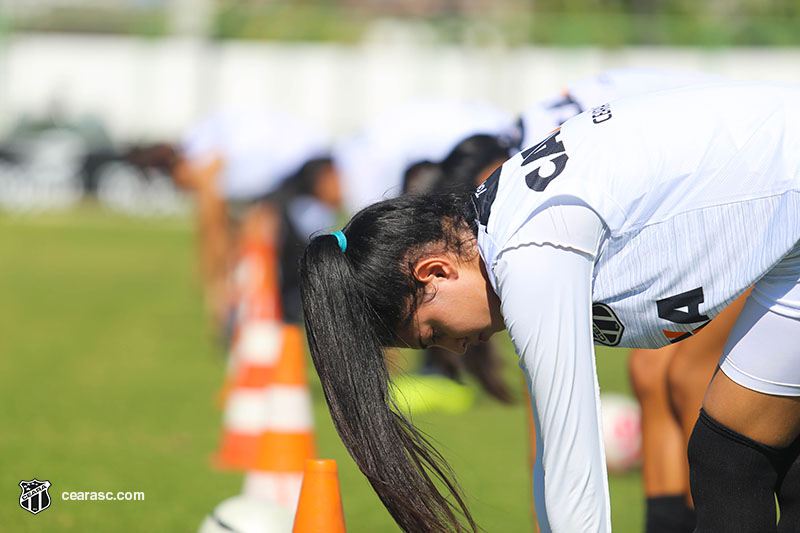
[34, 497]
[606, 326]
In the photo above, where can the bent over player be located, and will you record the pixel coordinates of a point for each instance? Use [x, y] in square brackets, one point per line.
[640, 219]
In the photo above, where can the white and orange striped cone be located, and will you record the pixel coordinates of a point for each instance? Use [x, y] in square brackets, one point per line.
[256, 349]
[246, 403]
[287, 440]
[255, 281]
[268, 428]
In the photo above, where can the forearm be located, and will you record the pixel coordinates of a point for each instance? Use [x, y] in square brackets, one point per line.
[548, 313]
[212, 233]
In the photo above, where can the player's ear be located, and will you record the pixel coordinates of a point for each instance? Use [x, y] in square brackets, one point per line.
[435, 267]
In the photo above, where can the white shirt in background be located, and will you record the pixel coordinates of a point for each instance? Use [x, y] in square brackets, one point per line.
[259, 149]
[373, 162]
[540, 119]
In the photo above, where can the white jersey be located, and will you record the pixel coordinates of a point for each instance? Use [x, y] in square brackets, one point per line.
[542, 118]
[258, 148]
[633, 225]
[373, 162]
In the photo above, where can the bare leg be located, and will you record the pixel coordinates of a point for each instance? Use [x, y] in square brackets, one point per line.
[663, 450]
[770, 420]
[485, 363]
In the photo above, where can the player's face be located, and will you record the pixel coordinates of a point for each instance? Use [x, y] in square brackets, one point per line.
[459, 308]
[326, 186]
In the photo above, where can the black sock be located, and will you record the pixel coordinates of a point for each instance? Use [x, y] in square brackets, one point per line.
[789, 490]
[668, 514]
[733, 480]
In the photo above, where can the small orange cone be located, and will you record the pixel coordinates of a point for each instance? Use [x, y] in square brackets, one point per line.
[320, 507]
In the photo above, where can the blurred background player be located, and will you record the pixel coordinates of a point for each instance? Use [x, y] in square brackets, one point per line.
[308, 201]
[541, 118]
[374, 161]
[233, 161]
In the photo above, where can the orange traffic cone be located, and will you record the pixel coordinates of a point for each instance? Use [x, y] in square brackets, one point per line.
[268, 428]
[251, 366]
[256, 349]
[287, 439]
[320, 507]
[257, 318]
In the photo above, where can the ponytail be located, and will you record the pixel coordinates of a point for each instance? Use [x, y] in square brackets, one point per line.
[354, 302]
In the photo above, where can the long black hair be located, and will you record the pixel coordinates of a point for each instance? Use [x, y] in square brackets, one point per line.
[354, 302]
[302, 182]
[464, 163]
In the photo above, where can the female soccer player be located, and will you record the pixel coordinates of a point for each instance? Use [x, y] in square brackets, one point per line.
[633, 225]
[669, 383]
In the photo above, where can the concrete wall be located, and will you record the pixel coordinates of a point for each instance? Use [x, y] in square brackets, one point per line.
[153, 89]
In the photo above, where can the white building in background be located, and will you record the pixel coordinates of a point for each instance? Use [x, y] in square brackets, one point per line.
[152, 89]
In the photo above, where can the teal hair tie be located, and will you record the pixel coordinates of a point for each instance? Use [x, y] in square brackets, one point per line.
[341, 239]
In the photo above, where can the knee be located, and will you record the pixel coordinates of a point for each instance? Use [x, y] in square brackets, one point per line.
[732, 478]
[647, 370]
[679, 382]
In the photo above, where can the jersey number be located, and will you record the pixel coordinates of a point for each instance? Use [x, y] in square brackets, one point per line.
[683, 308]
[549, 159]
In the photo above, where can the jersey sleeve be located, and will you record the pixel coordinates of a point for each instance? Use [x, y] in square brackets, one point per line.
[544, 280]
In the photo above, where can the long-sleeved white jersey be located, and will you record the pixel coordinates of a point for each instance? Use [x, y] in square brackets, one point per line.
[633, 225]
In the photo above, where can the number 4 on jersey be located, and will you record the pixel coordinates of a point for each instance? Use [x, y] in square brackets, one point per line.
[549, 159]
[683, 308]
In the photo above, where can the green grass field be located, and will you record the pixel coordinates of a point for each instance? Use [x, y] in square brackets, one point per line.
[108, 378]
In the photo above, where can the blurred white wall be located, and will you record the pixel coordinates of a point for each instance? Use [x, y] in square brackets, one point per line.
[153, 89]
